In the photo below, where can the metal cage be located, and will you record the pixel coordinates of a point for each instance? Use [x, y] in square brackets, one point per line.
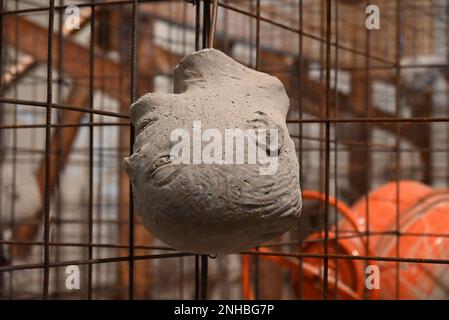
[369, 117]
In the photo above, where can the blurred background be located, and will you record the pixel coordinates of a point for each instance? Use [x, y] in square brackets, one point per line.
[369, 115]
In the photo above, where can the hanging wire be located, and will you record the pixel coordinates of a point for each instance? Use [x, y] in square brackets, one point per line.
[213, 25]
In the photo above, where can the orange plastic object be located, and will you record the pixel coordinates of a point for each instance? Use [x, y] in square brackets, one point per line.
[423, 219]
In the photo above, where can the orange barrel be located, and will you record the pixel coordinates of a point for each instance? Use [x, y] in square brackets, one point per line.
[424, 234]
[423, 218]
[307, 277]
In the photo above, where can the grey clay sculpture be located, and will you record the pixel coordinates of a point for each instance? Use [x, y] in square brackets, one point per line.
[213, 208]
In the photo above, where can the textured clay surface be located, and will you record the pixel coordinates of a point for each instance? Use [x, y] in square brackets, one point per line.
[213, 208]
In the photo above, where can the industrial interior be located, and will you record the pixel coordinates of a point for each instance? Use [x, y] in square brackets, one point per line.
[369, 118]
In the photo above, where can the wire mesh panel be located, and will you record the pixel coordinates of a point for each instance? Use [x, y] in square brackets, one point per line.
[368, 83]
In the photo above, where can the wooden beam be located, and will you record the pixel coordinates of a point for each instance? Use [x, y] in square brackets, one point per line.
[162, 62]
[313, 92]
[28, 63]
[76, 58]
[63, 137]
[351, 21]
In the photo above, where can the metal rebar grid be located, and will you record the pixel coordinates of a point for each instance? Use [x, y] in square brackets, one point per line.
[369, 117]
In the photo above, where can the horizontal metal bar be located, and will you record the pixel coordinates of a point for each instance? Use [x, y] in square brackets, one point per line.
[92, 261]
[63, 107]
[372, 120]
[348, 257]
[65, 125]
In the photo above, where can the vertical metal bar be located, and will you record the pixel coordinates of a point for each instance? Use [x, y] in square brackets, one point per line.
[184, 29]
[251, 62]
[204, 267]
[134, 35]
[101, 232]
[336, 185]
[184, 42]
[121, 187]
[398, 31]
[257, 64]
[322, 63]
[367, 164]
[213, 25]
[225, 36]
[206, 23]
[1, 50]
[59, 95]
[447, 88]
[99, 235]
[133, 98]
[203, 258]
[327, 150]
[300, 142]
[2, 256]
[257, 34]
[46, 279]
[181, 277]
[197, 25]
[14, 145]
[91, 147]
[197, 48]
[197, 277]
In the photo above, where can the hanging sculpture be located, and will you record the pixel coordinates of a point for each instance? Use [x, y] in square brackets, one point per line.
[214, 169]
